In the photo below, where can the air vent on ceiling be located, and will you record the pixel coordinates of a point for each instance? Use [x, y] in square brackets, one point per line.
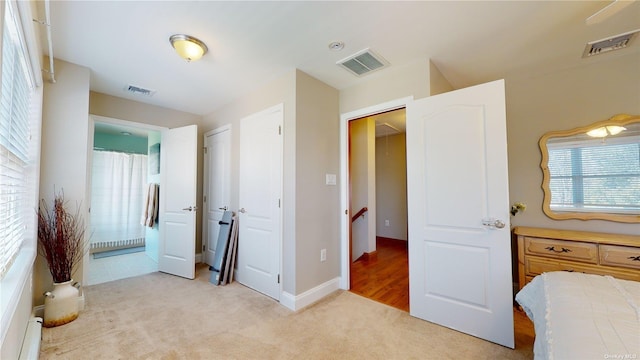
[136, 90]
[616, 42]
[386, 129]
[363, 62]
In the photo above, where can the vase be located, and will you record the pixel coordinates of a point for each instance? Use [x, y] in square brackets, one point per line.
[61, 304]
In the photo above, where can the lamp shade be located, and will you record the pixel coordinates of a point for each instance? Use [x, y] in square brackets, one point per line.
[188, 47]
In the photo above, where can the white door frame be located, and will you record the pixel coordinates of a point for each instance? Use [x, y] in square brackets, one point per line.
[92, 121]
[345, 223]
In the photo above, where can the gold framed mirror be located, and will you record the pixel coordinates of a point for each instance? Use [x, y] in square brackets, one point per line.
[593, 172]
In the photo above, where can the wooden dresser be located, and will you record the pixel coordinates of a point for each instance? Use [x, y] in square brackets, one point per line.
[544, 250]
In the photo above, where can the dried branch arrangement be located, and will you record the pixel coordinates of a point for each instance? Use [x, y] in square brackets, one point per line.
[60, 238]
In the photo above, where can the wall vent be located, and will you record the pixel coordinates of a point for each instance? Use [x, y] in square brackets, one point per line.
[363, 62]
[136, 90]
[616, 42]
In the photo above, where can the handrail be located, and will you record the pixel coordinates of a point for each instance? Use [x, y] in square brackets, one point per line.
[359, 213]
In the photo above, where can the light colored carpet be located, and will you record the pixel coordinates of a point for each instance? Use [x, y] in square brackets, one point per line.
[159, 316]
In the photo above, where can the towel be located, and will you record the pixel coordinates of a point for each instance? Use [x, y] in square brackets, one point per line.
[150, 206]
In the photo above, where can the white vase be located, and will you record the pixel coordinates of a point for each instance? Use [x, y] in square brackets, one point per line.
[61, 304]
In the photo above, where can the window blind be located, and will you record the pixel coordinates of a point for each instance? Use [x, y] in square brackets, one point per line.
[15, 99]
[604, 176]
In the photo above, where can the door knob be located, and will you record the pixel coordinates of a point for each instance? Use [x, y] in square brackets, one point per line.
[223, 208]
[191, 208]
[242, 210]
[493, 223]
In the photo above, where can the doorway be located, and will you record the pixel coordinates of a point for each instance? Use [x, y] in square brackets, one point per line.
[124, 162]
[379, 267]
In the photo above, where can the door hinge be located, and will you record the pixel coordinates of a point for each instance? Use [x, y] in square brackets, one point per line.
[278, 203]
[204, 199]
[346, 212]
[279, 130]
[205, 149]
[204, 248]
[278, 278]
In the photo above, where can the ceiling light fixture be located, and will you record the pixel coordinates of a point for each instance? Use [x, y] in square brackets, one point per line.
[188, 47]
[606, 130]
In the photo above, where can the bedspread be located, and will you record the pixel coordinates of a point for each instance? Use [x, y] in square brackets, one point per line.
[583, 316]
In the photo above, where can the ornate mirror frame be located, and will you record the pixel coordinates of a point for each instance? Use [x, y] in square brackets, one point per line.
[619, 120]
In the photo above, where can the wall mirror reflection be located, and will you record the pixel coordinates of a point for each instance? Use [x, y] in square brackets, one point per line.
[593, 172]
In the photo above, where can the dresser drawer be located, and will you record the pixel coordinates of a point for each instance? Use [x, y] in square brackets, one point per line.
[559, 249]
[536, 266]
[622, 256]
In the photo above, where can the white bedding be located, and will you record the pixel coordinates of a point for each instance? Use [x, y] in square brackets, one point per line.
[583, 316]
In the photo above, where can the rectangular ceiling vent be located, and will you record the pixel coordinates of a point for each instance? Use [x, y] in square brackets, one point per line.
[136, 90]
[363, 62]
[616, 42]
[385, 129]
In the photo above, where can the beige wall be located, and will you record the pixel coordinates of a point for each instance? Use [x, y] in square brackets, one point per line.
[391, 186]
[438, 83]
[280, 90]
[362, 185]
[65, 134]
[389, 84]
[317, 204]
[559, 101]
[124, 109]
[310, 208]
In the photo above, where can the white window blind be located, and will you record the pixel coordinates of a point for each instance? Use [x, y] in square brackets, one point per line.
[596, 176]
[15, 100]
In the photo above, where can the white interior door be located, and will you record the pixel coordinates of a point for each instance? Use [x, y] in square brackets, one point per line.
[177, 213]
[458, 201]
[217, 170]
[260, 214]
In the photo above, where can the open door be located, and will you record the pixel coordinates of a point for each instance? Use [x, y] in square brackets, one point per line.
[217, 174]
[458, 202]
[177, 207]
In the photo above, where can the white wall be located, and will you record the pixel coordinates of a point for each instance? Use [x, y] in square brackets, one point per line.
[563, 100]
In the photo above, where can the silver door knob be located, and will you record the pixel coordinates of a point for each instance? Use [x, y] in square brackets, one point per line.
[191, 208]
[493, 223]
[223, 208]
[242, 210]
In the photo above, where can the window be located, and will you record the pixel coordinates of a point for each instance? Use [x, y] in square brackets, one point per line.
[600, 174]
[15, 144]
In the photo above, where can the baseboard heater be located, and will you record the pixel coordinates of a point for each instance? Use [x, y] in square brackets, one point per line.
[31, 344]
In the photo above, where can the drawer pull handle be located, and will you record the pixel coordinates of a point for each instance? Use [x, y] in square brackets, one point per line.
[552, 248]
[634, 258]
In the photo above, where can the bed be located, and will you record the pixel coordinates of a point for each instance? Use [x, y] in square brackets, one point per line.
[583, 316]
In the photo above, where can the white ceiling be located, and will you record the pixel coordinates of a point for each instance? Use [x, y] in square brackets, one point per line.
[251, 43]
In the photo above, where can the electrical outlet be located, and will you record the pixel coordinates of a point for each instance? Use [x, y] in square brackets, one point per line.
[323, 255]
[386, 223]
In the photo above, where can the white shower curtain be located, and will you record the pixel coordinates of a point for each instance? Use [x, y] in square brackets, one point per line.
[117, 193]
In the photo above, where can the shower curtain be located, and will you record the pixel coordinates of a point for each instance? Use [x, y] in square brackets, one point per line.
[117, 193]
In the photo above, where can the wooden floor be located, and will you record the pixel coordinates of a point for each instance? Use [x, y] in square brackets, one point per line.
[384, 277]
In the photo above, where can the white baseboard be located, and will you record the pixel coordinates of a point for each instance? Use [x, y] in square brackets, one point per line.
[297, 302]
[38, 311]
[198, 258]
